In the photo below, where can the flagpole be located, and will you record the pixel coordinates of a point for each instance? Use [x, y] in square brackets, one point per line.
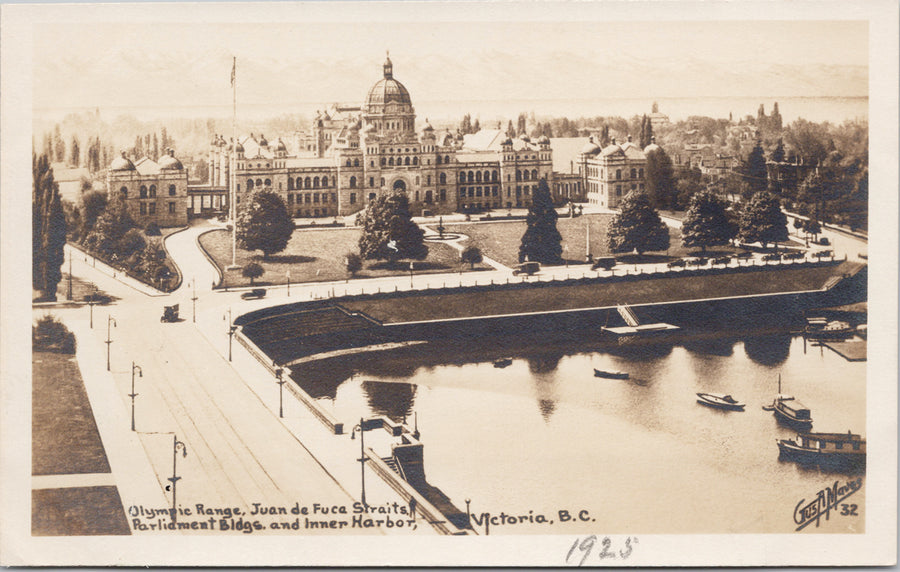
[232, 179]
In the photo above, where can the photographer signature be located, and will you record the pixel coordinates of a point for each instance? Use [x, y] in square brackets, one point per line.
[826, 500]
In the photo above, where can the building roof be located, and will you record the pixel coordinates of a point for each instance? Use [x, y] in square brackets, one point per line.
[476, 156]
[309, 162]
[147, 166]
[387, 90]
[484, 140]
[121, 163]
[168, 162]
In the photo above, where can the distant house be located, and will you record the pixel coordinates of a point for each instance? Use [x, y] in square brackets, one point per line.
[71, 180]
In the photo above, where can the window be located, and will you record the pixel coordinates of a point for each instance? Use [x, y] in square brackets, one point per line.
[259, 182]
[618, 174]
[443, 178]
[477, 177]
[443, 195]
[151, 208]
[371, 181]
[634, 173]
[152, 191]
[371, 196]
[334, 197]
[268, 182]
[349, 163]
[534, 175]
[447, 159]
[406, 161]
[143, 191]
[249, 184]
[290, 198]
[307, 198]
[316, 182]
[352, 182]
[641, 173]
[382, 181]
[324, 181]
[391, 161]
[462, 177]
[495, 176]
[124, 191]
[315, 197]
[307, 183]
[428, 180]
[428, 197]
[171, 207]
[356, 162]
[352, 198]
[384, 161]
[290, 184]
[143, 208]
[438, 159]
[618, 190]
[518, 175]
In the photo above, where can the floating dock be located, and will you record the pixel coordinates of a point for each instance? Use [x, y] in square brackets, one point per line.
[641, 329]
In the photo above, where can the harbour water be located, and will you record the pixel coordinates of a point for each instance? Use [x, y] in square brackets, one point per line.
[640, 455]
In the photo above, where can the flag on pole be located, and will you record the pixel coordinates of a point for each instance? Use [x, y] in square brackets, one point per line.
[233, 70]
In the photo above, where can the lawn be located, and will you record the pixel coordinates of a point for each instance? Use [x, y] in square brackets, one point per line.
[64, 434]
[318, 256]
[500, 240]
[501, 301]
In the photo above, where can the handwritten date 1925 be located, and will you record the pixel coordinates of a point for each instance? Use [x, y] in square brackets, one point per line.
[582, 549]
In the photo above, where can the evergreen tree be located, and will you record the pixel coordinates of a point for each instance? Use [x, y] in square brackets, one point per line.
[778, 153]
[521, 125]
[75, 152]
[755, 172]
[164, 142]
[637, 226]
[510, 130]
[155, 148]
[48, 229]
[389, 232]
[138, 147]
[59, 146]
[660, 178]
[93, 205]
[476, 127]
[646, 132]
[706, 223]
[775, 120]
[264, 223]
[763, 221]
[604, 135]
[541, 241]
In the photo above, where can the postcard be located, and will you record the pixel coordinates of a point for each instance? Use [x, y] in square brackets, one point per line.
[449, 284]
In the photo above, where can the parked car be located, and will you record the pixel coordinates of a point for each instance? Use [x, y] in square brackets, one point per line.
[721, 260]
[771, 256]
[170, 314]
[97, 298]
[528, 268]
[823, 254]
[824, 241]
[605, 262]
[744, 254]
[699, 261]
[676, 264]
[797, 255]
[256, 293]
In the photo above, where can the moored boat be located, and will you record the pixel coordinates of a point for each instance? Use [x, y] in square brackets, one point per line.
[503, 362]
[790, 412]
[610, 374]
[830, 450]
[720, 401]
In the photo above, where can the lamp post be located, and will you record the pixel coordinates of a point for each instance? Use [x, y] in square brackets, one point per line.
[279, 372]
[110, 321]
[231, 330]
[468, 514]
[411, 266]
[288, 275]
[132, 395]
[362, 456]
[194, 300]
[176, 445]
[91, 300]
[69, 289]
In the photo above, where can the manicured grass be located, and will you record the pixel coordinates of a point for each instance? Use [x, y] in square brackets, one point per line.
[77, 511]
[64, 436]
[500, 240]
[592, 295]
[318, 256]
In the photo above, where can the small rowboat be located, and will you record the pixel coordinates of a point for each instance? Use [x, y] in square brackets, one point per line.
[610, 374]
[719, 401]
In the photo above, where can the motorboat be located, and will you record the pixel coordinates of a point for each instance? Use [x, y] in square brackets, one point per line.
[610, 374]
[720, 401]
[830, 450]
[503, 362]
[789, 411]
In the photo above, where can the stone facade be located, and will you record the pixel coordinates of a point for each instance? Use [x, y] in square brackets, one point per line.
[154, 191]
[610, 173]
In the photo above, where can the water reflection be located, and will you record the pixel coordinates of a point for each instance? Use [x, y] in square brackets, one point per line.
[393, 400]
[770, 350]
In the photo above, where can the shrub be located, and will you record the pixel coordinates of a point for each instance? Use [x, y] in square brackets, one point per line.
[50, 335]
[152, 229]
[252, 271]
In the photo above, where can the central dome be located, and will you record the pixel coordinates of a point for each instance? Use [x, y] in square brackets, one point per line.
[387, 91]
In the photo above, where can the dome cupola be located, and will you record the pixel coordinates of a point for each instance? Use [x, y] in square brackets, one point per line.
[121, 163]
[168, 162]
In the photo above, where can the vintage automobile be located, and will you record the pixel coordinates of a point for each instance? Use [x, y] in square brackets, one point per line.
[170, 314]
[604, 262]
[254, 294]
[676, 263]
[528, 268]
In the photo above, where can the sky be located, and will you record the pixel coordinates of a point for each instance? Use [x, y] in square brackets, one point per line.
[143, 64]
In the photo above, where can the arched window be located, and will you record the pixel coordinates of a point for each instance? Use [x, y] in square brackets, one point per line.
[487, 176]
[438, 159]
[634, 173]
[307, 183]
[462, 176]
[415, 160]
[518, 175]
[618, 174]
[641, 173]
[348, 162]
[152, 191]
[471, 177]
[391, 161]
[324, 181]
[268, 182]
[352, 182]
[406, 161]
[443, 178]
[477, 177]
[447, 159]
[143, 191]
[172, 190]
[383, 161]
[249, 184]
[356, 162]
[534, 175]
[316, 182]
[290, 185]
[495, 176]
[124, 191]
[259, 182]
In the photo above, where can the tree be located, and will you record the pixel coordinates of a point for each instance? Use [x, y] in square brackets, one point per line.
[110, 227]
[155, 148]
[389, 232]
[264, 223]
[510, 130]
[706, 223]
[661, 187]
[48, 229]
[763, 221]
[812, 227]
[51, 335]
[472, 255]
[75, 152]
[59, 145]
[353, 262]
[637, 226]
[689, 182]
[755, 170]
[93, 205]
[778, 153]
[252, 271]
[541, 241]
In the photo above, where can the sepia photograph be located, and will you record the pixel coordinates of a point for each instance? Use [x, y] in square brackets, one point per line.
[576, 284]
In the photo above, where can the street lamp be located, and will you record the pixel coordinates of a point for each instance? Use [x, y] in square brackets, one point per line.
[69, 290]
[468, 514]
[91, 300]
[109, 321]
[362, 456]
[278, 374]
[411, 266]
[132, 395]
[176, 445]
[194, 300]
[288, 274]
[231, 330]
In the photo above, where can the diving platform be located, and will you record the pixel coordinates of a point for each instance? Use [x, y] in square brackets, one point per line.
[634, 326]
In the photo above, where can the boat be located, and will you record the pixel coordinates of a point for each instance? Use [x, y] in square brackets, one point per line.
[830, 450]
[789, 411]
[720, 401]
[610, 374]
[821, 328]
[503, 362]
